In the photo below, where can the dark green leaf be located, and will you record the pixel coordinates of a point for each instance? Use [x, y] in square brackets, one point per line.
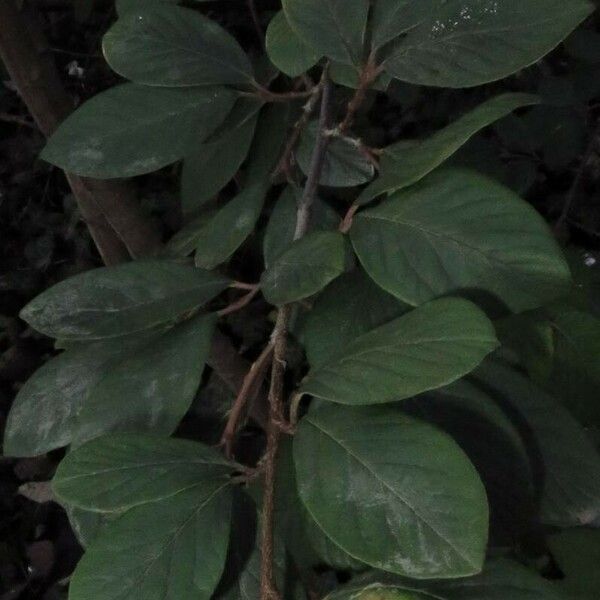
[350, 306]
[286, 50]
[174, 548]
[152, 389]
[333, 28]
[463, 43]
[131, 129]
[172, 46]
[570, 464]
[344, 165]
[225, 232]
[116, 301]
[279, 233]
[392, 491]
[458, 231]
[406, 162]
[210, 166]
[119, 471]
[305, 268]
[426, 348]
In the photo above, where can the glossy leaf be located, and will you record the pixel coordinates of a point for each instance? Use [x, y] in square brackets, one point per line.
[425, 349]
[344, 164]
[567, 459]
[467, 43]
[501, 579]
[287, 51]
[172, 46]
[130, 129]
[305, 268]
[152, 389]
[45, 413]
[226, 231]
[351, 306]
[208, 167]
[458, 231]
[407, 162]
[119, 471]
[420, 511]
[171, 548]
[116, 301]
[279, 233]
[333, 28]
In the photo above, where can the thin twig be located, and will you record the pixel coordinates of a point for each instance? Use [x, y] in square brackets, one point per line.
[239, 304]
[252, 382]
[8, 118]
[256, 21]
[268, 586]
[348, 218]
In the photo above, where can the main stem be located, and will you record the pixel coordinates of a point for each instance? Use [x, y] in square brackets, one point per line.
[268, 586]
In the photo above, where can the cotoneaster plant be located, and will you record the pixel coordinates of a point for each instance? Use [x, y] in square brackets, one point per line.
[418, 445]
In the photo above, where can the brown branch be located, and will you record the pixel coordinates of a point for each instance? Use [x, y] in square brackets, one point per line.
[109, 208]
[239, 304]
[268, 586]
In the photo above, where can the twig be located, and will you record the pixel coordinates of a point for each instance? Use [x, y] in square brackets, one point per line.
[256, 21]
[368, 75]
[269, 96]
[348, 218]
[576, 185]
[8, 118]
[251, 384]
[268, 586]
[239, 304]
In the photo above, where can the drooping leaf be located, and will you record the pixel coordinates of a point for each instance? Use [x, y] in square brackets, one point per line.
[210, 166]
[458, 231]
[172, 46]
[577, 552]
[305, 268]
[287, 51]
[351, 306]
[130, 129]
[116, 301]
[116, 472]
[344, 164]
[152, 389]
[501, 579]
[280, 229]
[425, 349]
[44, 415]
[333, 28]
[467, 43]
[405, 163]
[171, 548]
[225, 232]
[567, 459]
[420, 511]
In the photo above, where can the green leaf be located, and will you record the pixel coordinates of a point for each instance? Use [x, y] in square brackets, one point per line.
[407, 162]
[86, 524]
[333, 28]
[184, 242]
[173, 548]
[119, 471]
[130, 129]
[457, 231]
[425, 349]
[152, 389]
[208, 167]
[351, 306]
[172, 46]
[305, 268]
[226, 231]
[116, 301]
[280, 229]
[44, 415]
[577, 552]
[349, 76]
[392, 491]
[501, 579]
[566, 456]
[464, 43]
[344, 164]
[286, 50]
